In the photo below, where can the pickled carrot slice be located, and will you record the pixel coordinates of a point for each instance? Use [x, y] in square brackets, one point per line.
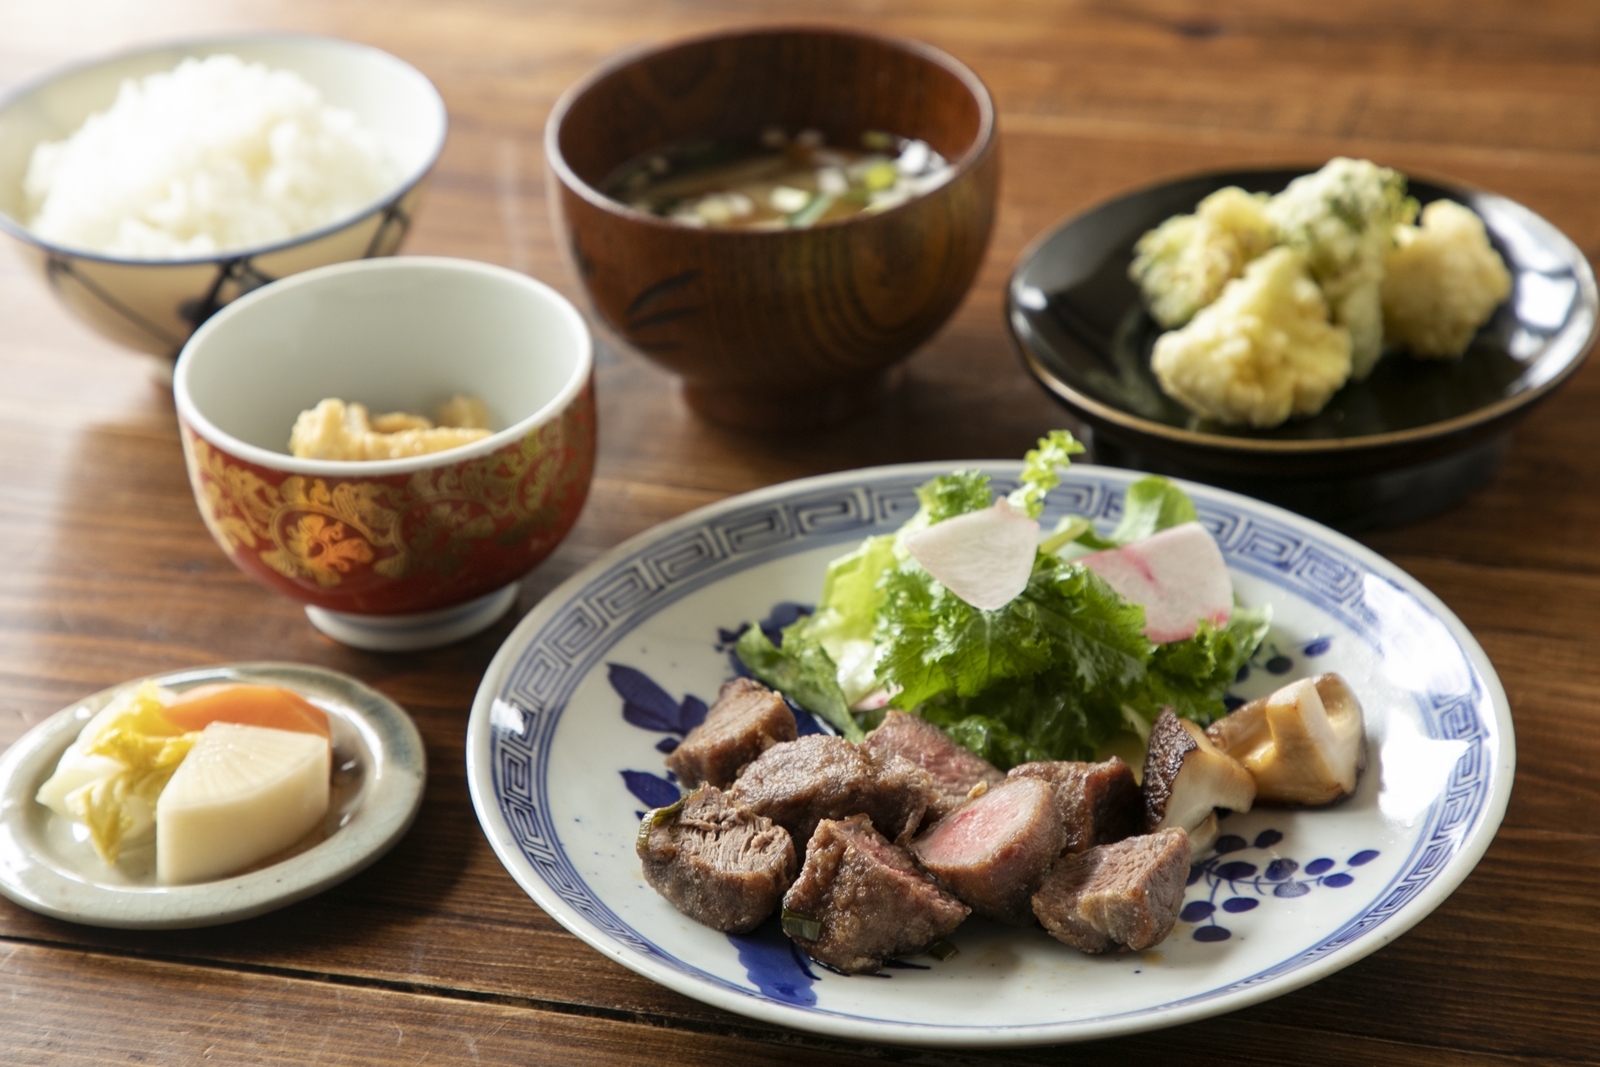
[248, 705]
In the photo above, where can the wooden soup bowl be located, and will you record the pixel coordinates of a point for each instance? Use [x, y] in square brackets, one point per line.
[785, 328]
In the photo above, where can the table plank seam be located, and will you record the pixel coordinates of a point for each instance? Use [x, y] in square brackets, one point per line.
[658, 1020]
[780, 1036]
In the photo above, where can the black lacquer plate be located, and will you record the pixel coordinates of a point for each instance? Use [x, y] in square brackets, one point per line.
[1414, 438]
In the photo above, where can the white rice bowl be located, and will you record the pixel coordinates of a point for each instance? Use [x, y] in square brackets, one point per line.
[214, 156]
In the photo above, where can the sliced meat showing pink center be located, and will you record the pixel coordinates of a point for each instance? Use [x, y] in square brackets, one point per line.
[979, 829]
[1178, 576]
[1098, 802]
[993, 852]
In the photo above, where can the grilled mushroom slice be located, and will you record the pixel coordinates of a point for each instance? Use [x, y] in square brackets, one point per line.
[1186, 778]
[1303, 744]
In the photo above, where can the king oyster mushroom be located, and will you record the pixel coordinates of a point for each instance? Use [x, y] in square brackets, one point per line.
[1186, 778]
[1302, 745]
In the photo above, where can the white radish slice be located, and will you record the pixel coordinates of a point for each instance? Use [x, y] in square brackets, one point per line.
[983, 557]
[241, 794]
[1177, 575]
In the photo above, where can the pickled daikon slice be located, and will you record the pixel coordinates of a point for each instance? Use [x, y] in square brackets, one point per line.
[243, 793]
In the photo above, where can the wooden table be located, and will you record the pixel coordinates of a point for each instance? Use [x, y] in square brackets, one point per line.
[434, 955]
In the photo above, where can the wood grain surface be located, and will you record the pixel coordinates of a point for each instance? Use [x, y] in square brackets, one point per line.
[434, 955]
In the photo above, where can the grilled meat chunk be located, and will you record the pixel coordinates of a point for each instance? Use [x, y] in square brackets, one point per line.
[1126, 894]
[955, 770]
[799, 783]
[747, 719]
[860, 900]
[1099, 803]
[717, 861]
[994, 851]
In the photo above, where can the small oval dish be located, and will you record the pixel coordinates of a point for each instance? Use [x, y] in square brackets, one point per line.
[379, 771]
[1414, 438]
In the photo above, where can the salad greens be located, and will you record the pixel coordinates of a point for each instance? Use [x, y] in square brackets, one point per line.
[1054, 674]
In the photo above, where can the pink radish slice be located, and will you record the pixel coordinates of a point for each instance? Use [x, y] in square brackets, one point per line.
[1178, 575]
[878, 698]
[983, 557]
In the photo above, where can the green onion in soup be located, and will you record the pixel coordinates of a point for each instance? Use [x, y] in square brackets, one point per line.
[775, 181]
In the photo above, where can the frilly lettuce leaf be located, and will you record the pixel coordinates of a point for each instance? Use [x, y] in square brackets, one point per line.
[1041, 471]
[1151, 505]
[950, 495]
[1104, 677]
[847, 614]
[1046, 717]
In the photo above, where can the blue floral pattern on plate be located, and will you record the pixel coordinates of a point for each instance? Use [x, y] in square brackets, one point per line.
[1281, 878]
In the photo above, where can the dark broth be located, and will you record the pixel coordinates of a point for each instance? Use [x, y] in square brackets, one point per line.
[776, 182]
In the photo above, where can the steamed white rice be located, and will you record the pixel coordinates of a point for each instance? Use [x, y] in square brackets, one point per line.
[214, 156]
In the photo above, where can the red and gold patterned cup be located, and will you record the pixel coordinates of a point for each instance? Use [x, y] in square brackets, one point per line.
[401, 553]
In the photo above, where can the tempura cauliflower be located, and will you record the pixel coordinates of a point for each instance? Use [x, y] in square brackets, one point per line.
[1182, 265]
[1262, 352]
[1441, 282]
[1341, 218]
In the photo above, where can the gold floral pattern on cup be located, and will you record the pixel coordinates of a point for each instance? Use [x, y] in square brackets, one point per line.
[405, 542]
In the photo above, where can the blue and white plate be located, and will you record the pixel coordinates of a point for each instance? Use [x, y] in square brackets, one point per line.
[565, 747]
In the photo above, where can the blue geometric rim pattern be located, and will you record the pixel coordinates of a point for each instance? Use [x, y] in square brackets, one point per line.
[579, 635]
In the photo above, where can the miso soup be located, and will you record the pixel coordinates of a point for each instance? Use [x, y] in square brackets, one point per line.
[775, 181]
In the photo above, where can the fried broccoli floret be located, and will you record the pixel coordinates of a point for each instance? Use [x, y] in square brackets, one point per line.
[1182, 265]
[1262, 352]
[1441, 282]
[1342, 218]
